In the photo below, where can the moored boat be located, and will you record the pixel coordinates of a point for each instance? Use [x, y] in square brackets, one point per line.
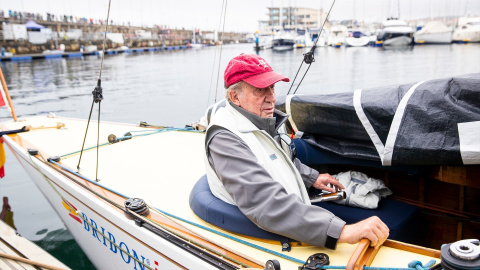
[337, 35]
[468, 30]
[283, 42]
[357, 39]
[396, 33]
[101, 205]
[434, 32]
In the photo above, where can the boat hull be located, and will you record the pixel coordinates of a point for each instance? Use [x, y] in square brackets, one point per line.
[283, 44]
[357, 42]
[142, 245]
[434, 38]
[398, 41]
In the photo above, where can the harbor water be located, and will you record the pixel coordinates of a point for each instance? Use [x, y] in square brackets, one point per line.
[174, 88]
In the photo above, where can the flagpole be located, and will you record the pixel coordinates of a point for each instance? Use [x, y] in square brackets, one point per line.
[5, 89]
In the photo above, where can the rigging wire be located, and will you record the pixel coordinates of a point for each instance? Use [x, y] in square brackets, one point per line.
[214, 58]
[309, 57]
[221, 46]
[97, 98]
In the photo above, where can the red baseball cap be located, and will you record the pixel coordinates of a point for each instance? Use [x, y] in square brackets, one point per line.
[251, 69]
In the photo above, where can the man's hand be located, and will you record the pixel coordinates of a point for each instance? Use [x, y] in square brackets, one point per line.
[324, 179]
[371, 228]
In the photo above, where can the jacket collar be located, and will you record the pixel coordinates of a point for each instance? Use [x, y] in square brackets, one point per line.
[268, 124]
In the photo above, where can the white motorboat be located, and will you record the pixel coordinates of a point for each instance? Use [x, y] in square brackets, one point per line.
[396, 33]
[357, 39]
[434, 32]
[468, 30]
[283, 42]
[337, 35]
[264, 42]
[304, 41]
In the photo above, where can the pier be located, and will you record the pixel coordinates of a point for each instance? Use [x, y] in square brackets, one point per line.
[18, 253]
[74, 36]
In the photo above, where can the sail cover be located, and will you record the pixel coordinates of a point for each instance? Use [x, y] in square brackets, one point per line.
[435, 122]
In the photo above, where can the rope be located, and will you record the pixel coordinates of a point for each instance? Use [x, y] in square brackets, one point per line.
[188, 129]
[104, 40]
[221, 46]
[413, 265]
[30, 262]
[214, 60]
[309, 58]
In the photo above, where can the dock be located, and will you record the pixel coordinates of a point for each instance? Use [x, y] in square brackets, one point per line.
[17, 252]
[30, 57]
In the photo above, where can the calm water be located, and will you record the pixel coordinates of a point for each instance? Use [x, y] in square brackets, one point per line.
[174, 88]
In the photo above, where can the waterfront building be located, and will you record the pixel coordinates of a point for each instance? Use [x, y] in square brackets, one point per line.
[291, 19]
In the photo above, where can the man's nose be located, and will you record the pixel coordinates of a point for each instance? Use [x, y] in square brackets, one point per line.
[270, 96]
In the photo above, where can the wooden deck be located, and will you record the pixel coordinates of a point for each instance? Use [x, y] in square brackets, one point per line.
[17, 252]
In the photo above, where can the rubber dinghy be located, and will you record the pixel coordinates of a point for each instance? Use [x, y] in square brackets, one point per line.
[134, 211]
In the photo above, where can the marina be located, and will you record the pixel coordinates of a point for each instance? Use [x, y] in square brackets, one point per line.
[135, 193]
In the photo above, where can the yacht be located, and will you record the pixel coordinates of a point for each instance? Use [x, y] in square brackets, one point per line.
[357, 39]
[264, 42]
[337, 36]
[468, 30]
[396, 33]
[283, 42]
[434, 32]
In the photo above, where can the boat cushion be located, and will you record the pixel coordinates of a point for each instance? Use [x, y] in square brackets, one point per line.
[404, 220]
[311, 155]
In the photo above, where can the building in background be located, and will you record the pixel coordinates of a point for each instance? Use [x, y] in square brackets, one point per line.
[292, 19]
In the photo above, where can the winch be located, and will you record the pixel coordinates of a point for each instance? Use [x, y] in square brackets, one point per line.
[463, 254]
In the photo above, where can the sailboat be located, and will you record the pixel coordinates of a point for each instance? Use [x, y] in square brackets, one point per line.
[145, 204]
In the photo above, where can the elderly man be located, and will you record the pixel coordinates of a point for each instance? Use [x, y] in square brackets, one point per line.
[249, 165]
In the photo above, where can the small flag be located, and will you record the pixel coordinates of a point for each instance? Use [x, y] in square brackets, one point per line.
[2, 159]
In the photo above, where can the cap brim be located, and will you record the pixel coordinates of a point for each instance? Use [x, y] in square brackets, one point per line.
[265, 79]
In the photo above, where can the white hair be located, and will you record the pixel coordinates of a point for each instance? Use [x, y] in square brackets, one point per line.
[237, 87]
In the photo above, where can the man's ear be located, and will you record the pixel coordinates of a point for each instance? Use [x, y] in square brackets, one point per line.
[233, 95]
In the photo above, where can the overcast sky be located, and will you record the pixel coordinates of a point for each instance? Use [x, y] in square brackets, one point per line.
[242, 15]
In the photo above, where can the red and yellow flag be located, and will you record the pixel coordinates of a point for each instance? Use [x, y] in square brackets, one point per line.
[2, 159]
[2, 151]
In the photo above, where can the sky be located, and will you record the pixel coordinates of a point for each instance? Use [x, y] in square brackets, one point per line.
[241, 15]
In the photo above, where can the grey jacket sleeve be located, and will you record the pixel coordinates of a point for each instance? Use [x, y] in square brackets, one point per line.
[309, 175]
[263, 200]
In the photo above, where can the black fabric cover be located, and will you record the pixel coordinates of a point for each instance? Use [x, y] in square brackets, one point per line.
[428, 133]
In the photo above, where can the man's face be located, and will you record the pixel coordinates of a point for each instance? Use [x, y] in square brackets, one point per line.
[259, 101]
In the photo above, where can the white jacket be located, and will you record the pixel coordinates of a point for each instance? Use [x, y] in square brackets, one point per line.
[362, 191]
[268, 153]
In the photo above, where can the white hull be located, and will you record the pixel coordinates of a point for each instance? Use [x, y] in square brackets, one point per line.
[434, 38]
[398, 41]
[357, 42]
[283, 48]
[142, 244]
[467, 36]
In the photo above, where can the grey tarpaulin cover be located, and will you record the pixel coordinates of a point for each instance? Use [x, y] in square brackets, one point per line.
[435, 122]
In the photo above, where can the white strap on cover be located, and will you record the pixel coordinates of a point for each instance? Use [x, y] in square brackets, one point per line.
[289, 112]
[385, 152]
[468, 135]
